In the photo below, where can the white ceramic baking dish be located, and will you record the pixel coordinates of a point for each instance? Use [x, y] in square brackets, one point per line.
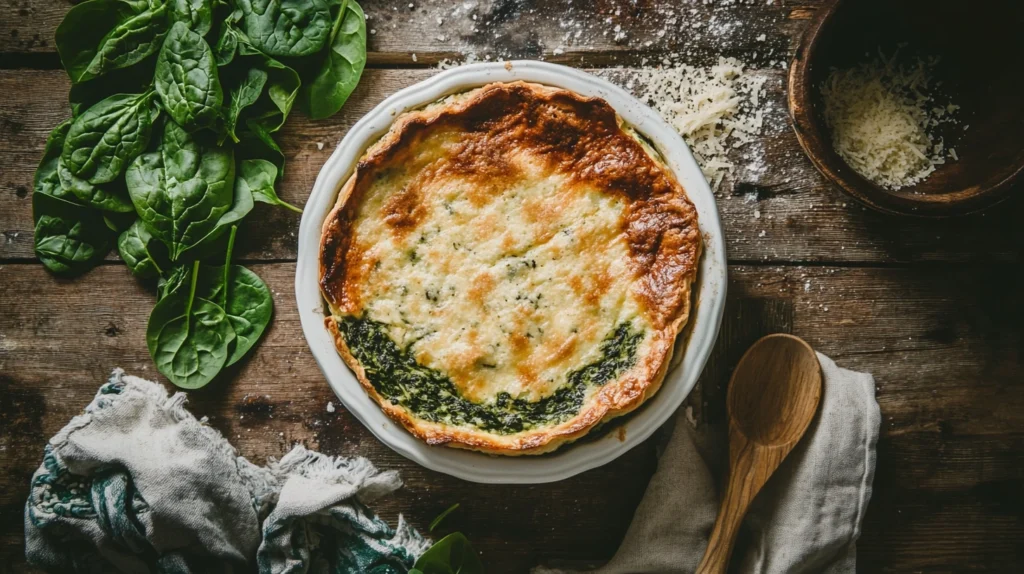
[692, 349]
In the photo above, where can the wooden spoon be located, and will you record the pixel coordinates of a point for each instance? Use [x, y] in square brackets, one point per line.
[773, 396]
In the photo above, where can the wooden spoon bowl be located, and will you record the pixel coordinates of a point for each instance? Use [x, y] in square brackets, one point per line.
[775, 390]
[980, 46]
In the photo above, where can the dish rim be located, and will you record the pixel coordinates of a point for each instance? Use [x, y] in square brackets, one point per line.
[693, 346]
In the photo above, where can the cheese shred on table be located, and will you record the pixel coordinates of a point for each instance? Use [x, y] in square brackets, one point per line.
[882, 115]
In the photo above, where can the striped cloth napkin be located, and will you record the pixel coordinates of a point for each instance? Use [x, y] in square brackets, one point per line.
[137, 484]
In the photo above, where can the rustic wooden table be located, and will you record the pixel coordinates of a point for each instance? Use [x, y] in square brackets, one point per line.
[933, 309]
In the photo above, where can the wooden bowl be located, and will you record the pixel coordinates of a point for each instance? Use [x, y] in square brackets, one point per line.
[981, 67]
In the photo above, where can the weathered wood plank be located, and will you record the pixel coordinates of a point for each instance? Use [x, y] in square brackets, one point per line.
[786, 213]
[945, 347]
[610, 32]
[589, 33]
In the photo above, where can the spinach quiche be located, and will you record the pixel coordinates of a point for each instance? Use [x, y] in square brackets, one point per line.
[509, 267]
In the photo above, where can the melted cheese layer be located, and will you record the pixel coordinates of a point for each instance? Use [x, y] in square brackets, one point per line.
[505, 287]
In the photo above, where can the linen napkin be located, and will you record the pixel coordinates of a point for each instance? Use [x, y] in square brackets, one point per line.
[137, 484]
[807, 518]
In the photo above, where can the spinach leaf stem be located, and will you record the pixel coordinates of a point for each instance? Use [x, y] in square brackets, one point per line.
[227, 268]
[191, 297]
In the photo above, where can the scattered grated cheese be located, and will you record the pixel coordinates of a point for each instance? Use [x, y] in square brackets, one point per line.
[715, 109]
[882, 116]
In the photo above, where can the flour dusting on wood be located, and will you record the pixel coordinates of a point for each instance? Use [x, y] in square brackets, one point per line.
[718, 104]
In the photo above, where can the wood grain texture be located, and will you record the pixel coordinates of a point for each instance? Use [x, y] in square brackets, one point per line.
[933, 309]
[943, 345]
[787, 213]
[611, 31]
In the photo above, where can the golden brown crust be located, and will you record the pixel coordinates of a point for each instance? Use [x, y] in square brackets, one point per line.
[580, 137]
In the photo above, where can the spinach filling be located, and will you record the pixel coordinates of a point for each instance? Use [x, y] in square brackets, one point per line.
[432, 396]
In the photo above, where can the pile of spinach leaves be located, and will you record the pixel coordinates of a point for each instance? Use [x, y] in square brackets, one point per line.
[174, 106]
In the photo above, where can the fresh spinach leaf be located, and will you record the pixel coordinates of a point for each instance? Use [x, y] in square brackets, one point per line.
[215, 242]
[255, 142]
[453, 554]
[186, 79]
[249, 307]
[46, 180]
[271, 110]
[342, 65]
[183, 188]
[104, 139]
[258, 176]
[241, 205]
[107, 197]
[132, 80]
[286, 27]
[69, 239]
[189, 337]
[243, 296]
[172, 281]
[244, 93]
[227, 45]
[271, 105]
[142, 253]
[99, 36]
[283, 86]
[196, 14]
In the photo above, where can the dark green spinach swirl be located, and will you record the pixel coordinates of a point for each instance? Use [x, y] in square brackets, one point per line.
[431, 395]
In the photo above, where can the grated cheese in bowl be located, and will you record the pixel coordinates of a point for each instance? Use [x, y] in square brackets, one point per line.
[882, 116]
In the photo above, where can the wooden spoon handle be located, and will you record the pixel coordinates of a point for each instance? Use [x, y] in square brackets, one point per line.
[746, 477]
[723, 537]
